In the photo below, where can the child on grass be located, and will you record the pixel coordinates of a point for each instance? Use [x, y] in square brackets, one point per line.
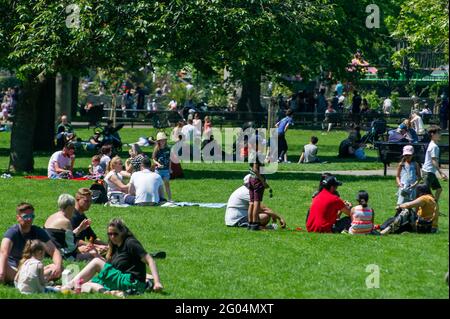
[161, 158]
[30, 275]
[309, 154]
[431, 167]
[408, 176]
[362, 216]
[257, 184]
[95, 169]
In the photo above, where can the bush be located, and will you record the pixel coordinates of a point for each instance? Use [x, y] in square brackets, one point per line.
[373, 100]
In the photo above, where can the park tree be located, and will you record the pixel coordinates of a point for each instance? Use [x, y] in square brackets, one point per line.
[260, 38]
[46, 37]
[421, 24]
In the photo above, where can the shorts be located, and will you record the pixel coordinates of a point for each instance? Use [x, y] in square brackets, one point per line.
[235, 217]
[256, 189]
[113, 279]
[164, 173]
[431, 180]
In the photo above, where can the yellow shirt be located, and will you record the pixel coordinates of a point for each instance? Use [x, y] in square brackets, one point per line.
[428, 207]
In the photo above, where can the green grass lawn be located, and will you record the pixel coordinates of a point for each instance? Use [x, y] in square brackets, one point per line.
[206, 259]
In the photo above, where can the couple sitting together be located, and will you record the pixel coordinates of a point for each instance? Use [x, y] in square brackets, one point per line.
[145, 187]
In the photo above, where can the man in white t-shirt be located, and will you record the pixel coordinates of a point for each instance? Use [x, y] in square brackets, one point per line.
[147, 186]
[387, 106]
[236, 213]
[188, 130]
[431, 167]
[61, 163]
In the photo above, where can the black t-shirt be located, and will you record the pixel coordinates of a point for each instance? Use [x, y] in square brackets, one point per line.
[86, 234]
[19, 239]
[127, 258]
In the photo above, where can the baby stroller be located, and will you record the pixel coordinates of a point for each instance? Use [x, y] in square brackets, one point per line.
[111, 136]
[377, 129]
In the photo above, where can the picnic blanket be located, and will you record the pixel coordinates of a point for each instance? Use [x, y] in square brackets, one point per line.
[183, 204]
[45, 177]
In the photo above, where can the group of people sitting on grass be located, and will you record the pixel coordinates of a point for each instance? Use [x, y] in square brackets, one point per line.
[116, 267]
[148, 178]
[245, 208]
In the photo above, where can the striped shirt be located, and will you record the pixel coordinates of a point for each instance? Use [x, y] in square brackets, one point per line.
[361, 220]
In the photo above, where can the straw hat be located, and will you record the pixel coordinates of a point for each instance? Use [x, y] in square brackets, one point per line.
[161, 136]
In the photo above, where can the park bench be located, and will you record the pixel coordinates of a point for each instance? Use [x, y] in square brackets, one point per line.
[392, 152]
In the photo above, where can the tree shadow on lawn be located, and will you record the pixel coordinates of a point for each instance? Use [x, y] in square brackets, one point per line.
[300, 176]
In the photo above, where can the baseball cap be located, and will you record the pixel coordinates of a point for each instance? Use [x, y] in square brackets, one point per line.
[408, 150]
[402, 126]
[331, 181]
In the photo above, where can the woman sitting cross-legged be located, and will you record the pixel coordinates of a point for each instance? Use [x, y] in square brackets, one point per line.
[124, 270]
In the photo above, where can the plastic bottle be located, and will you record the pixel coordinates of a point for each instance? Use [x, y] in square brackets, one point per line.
[66, 276]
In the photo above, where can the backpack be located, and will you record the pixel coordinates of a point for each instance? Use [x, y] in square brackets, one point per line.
[99, 195]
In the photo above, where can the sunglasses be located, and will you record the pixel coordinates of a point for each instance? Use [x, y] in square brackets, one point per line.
[113, 234]
[27, 216]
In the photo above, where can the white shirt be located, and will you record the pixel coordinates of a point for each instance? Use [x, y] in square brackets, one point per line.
[63, 162]
[387, 105]
[111, 186]
[432, 151]
[417, 124]
[146, 185]
[30, 279]
[104, 161]
[237, 206]
[188, 131]
[310, 153]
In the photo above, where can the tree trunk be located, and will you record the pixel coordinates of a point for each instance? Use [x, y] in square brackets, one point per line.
[44, 132]
[21, 150]
[250, 100]
[63, 95]
[74, 91]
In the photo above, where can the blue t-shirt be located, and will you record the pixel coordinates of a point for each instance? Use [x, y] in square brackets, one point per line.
[283, 123]
[19, 239]
[340, 88]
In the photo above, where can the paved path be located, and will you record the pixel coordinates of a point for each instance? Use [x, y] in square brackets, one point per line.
[379, 172]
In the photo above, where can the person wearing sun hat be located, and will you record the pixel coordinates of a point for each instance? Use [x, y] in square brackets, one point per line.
[408, 176]
[161, 159]
[325, 209]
